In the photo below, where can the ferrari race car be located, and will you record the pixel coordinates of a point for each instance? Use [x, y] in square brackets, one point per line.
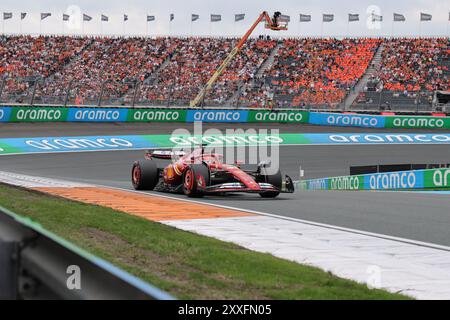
[198, 173]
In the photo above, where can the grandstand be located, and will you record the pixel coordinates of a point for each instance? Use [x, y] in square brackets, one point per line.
[361, 74]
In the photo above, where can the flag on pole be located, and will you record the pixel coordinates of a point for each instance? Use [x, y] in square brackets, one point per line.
[425, 16]
[399, 17]
[45, 15]
[239, 17]
[172, 16]
[305, 17]
[327, 17]
[86, 17]
[194, 17]
[105, 18]
[216, 17]
[284, 18]
[353, 17]
[376, 17]
[150, 18]
[66, 17]
[125, 17]
[23, 15]
[7, 15]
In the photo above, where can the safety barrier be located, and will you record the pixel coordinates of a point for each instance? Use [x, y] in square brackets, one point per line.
[400, 180]
[102, 114]
[37, 264]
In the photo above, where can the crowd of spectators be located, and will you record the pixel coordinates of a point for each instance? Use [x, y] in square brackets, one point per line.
[109, 63]
[414, 65]
[196, 60]
[313, 71]
[304, 71]
[23, 58]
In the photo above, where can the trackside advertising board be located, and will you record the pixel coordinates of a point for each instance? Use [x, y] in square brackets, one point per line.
[5, 114]
[38, 114]
[156, 115]
[209, 115]
[97, 115]
[346, 120]
[417, 122]
[401, 180]
[101, 114]
[278, 116]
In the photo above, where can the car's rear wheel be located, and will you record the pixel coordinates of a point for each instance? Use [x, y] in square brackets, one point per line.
[144, 175]
[195, 177]
[275, 179]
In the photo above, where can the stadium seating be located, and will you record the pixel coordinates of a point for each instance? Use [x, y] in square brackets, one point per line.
[413, 64]
[314, 71]
[155, 71]
[409, 72]
[194, 63]
[23, 58]
[111, 63]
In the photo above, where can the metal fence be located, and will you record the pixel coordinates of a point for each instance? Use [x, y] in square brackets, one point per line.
[153, 91]
[395, 101]
[157, 92]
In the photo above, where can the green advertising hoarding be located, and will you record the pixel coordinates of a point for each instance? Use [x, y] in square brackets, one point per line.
[280, 116]
[417, 122]
[38, 114]
[346, 183]
[156, 115]
[333, 183]
[438, 178]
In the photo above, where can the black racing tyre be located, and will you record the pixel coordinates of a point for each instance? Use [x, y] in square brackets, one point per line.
[144, 175]
[194, 176]
[275, 179]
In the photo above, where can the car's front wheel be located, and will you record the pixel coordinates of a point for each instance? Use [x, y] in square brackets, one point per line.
[274, 179]
[195, 178]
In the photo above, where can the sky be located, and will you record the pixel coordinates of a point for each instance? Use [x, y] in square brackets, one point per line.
[137, 10]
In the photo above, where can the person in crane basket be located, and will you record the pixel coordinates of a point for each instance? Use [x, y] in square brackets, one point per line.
[276, 15]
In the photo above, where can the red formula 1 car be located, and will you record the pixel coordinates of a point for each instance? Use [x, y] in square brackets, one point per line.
[197, 173]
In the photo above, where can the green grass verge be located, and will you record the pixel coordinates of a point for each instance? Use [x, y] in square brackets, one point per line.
[184, 264]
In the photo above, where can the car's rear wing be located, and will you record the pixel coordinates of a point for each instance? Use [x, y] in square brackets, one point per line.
[164, 154]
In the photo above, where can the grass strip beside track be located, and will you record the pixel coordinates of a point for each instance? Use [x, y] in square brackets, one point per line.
[184, 264]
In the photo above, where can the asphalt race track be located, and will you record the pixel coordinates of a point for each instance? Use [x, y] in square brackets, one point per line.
[411, 215]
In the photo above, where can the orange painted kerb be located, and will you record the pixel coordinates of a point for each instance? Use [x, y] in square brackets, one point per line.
[144, 205]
